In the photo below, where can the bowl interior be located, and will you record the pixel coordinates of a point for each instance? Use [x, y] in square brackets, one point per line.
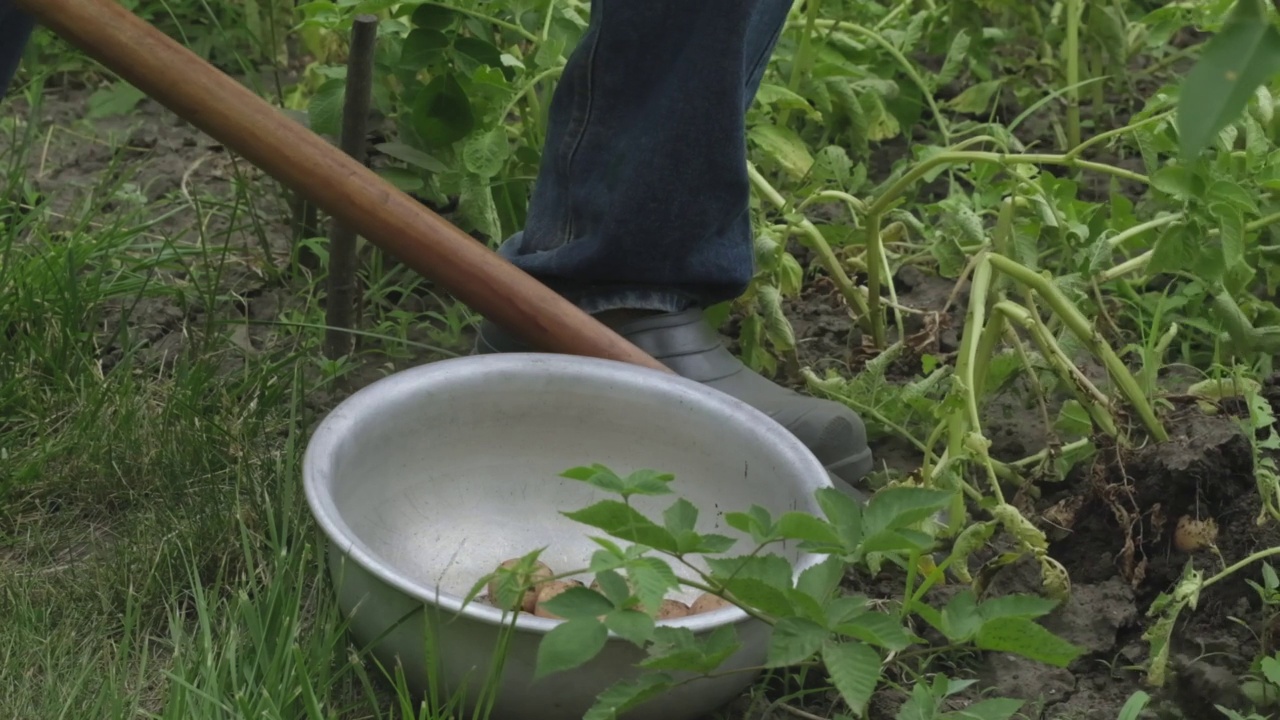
[433, 476]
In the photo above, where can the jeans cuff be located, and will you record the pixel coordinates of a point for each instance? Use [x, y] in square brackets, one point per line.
[597, 300]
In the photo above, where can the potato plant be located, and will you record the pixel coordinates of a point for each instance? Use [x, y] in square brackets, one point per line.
[1096, 185]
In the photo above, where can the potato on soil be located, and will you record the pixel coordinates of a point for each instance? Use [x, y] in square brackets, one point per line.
[706, 603]
[1191, 534]
[672, 609]
[549, 591]
[542, 573]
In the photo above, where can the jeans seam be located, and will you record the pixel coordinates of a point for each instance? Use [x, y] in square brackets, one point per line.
[766, 52]
[580, 132]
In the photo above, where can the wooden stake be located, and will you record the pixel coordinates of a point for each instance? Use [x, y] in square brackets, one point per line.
[339, 302]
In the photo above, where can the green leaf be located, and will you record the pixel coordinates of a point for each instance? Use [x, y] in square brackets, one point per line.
[777, 327]
[477, 210]
[821, 580]
[1271, 670]
[855, 671]
[1176, 181]
[628, 694]
[597, 476]
[844, 608]
[569, 645]
[478, 51]
[994, 709]
[324, 112]
[772, 569]
[783, 99]
[404, 180]
[1231, 231]
[833, 165]
[793, 641]
[1175, 251]
[877, 628]
[784, 147]
[651, 578]
[713, 544]
[422, 47]
[578, 602]
[681, 517]
[442, 113]
[756, 522]
[649, 482]
[976, 98]
[1073, 419]
[1026, 606]
[920, 706]
[957, 54]
[1134, 706]
[803, 526]
[1025, 637]
[614, 586]
[678, 649]
[118, 99]
[902, 506]
[790, 275]
[631, 625]
[433, 17]
[760, 596]
[411, 156]
[844, 513]
[625, 522]
[486, 153]
[1244, 55]
[960, 617]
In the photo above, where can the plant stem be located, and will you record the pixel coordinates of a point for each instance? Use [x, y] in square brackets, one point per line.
[1137, 262]
[875, 259]
[1124, 236]
[951, 157]
[966, 428]
[1228, 571]
[986, 350]
[1079, 325]
[1103, 136]
[818, 244]
[1072, 51]
[800, 62]
[1089, 395]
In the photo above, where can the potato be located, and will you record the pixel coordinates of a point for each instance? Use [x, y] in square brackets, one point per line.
[707, 602]
[549, 591]
[672, 609]
[542, 573]
[1192, 534]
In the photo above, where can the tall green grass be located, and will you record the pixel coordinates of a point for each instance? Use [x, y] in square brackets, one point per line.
[156, 556]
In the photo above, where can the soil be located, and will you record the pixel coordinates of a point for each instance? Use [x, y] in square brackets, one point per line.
[1112, 521]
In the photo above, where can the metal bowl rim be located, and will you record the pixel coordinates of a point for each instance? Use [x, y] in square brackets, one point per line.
[351, 410]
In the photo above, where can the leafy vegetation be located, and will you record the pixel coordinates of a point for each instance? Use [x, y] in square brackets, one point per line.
[1090, 186]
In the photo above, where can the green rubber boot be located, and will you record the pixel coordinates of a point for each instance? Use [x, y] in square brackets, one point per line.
[688, 345]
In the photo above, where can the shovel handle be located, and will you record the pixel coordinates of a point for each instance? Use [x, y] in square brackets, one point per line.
[342, 187]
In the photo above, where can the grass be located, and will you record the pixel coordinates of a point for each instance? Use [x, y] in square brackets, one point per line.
[156, 555]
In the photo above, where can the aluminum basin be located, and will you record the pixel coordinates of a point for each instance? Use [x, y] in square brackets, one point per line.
[424, 481]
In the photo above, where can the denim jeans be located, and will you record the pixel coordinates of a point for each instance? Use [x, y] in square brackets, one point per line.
[641, 199]
[15, 31]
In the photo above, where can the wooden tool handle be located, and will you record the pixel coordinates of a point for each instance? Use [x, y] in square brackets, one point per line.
[342, 187]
